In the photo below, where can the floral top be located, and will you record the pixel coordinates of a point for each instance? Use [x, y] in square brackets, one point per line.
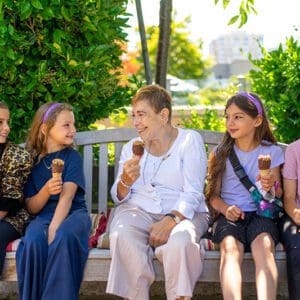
[15, 166]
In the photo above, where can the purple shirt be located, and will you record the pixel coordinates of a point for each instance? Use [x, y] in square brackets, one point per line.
[233, 191]
[291, 168]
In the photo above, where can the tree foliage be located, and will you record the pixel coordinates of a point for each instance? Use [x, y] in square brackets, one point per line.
[185, 57]
[277, 80]
[62, 51]
[246, 7]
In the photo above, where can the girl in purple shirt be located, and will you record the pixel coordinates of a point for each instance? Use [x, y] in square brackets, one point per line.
[238, 228]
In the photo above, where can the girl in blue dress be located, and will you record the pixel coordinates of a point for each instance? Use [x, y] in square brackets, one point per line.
[52, 255]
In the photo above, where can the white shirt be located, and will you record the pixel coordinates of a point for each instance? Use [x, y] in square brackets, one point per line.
[174, 181]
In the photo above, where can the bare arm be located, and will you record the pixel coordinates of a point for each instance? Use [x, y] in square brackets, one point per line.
[131, 172]
[231, 212]
[62, 208]
[290, 206]
[36, 203]
[64, 204]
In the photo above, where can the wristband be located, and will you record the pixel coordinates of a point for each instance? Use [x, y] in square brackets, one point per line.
[174, 217]
[124, 184]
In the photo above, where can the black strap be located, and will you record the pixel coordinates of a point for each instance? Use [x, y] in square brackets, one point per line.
[240, 172]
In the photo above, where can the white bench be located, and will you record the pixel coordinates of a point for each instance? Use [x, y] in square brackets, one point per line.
[95, 143]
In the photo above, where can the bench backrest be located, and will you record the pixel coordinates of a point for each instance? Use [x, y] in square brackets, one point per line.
[100, 139]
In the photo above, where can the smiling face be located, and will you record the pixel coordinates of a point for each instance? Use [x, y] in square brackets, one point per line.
[147, 122]
[239, 124]
[63, 132]
[4, 125]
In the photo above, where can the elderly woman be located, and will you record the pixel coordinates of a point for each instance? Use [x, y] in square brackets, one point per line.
[160, 203]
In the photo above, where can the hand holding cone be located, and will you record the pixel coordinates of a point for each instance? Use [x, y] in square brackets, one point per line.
[57, 167]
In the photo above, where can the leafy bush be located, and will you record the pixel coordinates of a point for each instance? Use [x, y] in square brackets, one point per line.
[277, 81]
[62, 51]
[209, 120]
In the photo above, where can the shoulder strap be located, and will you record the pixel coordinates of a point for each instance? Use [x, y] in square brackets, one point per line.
[244, 179]
[240, 172]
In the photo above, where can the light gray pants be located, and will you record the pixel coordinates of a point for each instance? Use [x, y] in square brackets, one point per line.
[131, 270]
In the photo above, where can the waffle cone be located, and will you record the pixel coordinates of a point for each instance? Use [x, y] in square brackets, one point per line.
[264, 172]
[57, 167]
[56, 175]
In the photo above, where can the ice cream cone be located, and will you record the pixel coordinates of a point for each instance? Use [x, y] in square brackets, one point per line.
[57, 167]
[264, 164]
[264, 172]
[138, 148]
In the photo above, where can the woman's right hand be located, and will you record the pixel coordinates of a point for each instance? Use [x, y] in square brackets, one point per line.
[54, 186]
[234, 213]
[131, 170]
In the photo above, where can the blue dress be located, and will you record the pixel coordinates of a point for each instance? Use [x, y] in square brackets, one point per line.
[54, 271]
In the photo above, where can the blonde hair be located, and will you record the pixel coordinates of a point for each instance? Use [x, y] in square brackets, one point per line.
[36, 142]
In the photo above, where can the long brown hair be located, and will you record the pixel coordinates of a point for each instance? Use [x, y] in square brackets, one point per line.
[217, 162]
[36, 142]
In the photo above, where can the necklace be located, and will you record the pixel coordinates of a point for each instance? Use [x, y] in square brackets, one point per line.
[49, 167]
[160, 163]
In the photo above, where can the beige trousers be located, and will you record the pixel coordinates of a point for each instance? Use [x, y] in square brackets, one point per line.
[131, 270]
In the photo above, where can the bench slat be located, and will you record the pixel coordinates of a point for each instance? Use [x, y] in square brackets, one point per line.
[97, 267]
[118, 150]
[103, 178]
[88, 173]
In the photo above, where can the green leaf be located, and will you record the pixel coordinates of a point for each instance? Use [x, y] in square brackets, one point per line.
[57, 47]
[48, 13]
[25, 10]
[225, 3]
[3, 30]
[233, 20]
[36, 4]
[72, 63]
[11, 54]
[244, 19]
[58, 35]
[11, 29]
[19, 60]
[65, 13]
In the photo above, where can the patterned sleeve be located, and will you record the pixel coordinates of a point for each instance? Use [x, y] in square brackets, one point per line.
[18, 163]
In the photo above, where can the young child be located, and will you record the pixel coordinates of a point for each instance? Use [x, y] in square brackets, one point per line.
[290, 224]
[52, 255]
[15, 166]
[238, 227]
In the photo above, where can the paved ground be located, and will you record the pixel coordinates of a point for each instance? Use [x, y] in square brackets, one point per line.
[96, 291]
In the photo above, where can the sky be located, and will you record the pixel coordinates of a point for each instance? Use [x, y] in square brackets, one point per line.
[276, 19]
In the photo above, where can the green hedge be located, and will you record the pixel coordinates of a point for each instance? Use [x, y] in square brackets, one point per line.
[277, 80]
[62, 51]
